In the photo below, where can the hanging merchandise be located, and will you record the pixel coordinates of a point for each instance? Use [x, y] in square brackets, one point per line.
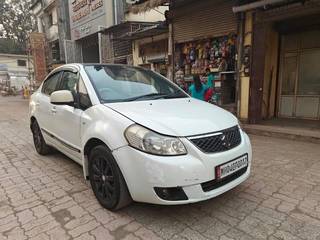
[218, 54]
[192, 54]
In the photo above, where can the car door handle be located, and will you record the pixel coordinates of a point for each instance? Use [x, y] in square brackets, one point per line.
[37, 104]
[54, 110]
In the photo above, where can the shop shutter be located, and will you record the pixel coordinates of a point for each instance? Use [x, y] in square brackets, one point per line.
[73, 52]
[202, 19]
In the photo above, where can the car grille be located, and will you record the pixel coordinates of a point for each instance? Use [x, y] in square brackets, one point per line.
[214, 184]
[218, 142]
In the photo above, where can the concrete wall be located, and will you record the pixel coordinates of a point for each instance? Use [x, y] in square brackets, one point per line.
[110, 15]
[245, 81]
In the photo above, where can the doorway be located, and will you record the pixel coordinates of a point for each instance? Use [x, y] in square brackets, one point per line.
[300, 75]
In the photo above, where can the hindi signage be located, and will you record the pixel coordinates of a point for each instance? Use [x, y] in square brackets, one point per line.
[86, 16]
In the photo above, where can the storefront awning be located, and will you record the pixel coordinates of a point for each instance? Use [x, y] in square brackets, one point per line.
[149, 31]
[261, 4]
[146, 5]
[156, 59]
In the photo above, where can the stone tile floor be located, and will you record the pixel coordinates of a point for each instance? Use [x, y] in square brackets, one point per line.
[47, 197]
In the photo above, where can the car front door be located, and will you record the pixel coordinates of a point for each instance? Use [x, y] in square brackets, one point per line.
[67, 118]
[44, 107]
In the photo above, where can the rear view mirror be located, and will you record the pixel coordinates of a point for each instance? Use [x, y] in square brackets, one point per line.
[62, 97]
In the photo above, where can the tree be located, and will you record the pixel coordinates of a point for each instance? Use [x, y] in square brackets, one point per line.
[16, 20]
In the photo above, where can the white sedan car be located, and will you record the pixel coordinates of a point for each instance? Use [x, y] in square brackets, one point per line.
[138, 136]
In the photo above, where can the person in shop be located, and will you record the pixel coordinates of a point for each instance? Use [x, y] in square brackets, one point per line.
[198, 89]
[210, 83]
[179, 77]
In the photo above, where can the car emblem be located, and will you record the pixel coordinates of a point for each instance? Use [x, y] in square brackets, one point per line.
[225, 142]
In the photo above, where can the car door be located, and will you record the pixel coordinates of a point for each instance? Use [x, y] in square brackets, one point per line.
[67, 118]
[44, 107]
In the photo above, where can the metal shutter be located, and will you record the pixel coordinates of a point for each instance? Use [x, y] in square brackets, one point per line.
[210, 18]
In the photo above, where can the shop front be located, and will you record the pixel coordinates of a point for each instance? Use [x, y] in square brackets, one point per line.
[204, 35]
[90, 48]
[284, 71]
[214, 55]
[150, 48]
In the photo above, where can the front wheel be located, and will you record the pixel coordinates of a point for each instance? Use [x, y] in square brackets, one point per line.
[106, 179]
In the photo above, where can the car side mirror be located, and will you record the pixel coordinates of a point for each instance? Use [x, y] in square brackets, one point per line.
[62, 97]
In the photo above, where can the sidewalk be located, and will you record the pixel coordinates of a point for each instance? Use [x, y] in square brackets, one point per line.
[301, 130]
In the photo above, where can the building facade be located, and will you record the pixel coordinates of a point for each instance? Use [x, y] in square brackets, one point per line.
[97, 28]
[16, 71]
[52, 18]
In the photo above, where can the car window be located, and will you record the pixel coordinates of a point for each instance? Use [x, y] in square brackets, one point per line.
[50, 84]
[69, 81]
[116, 83]
[84, 99]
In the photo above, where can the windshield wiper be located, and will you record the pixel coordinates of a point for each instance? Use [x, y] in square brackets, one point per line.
[177, 94]
[154, 96]
[151, 96]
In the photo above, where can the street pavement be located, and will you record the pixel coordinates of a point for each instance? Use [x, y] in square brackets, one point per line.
[48, 198]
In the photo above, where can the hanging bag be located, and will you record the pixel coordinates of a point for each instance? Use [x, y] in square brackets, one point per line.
[208, 94]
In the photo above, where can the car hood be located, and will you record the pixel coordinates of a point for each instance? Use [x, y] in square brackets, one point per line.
[176, 117]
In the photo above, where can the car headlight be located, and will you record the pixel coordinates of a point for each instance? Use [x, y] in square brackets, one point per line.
[154, 143]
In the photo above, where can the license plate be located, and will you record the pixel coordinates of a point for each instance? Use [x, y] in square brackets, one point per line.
[231, 167]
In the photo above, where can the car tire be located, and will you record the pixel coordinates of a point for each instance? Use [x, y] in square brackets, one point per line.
[39, 143]
[106, 179]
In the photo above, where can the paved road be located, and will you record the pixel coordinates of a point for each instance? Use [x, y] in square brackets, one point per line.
[47, 197]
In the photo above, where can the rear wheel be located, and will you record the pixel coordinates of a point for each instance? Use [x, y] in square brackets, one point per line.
[41, 147]
[106, 179]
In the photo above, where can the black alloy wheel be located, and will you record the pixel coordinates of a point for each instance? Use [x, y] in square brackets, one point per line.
[41, 147]
[106, 179]
[103, 176]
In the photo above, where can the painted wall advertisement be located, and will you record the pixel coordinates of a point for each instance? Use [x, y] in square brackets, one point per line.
[85, 17]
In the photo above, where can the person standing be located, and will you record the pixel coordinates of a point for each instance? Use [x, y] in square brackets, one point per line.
[198, 89]
[179, 77]
[210, 81]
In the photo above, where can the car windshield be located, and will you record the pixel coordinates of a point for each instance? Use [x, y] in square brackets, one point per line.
[118, 83]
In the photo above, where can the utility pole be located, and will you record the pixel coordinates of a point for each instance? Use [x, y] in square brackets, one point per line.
[63, 25]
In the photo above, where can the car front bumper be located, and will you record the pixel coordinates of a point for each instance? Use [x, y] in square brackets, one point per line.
[143, 172]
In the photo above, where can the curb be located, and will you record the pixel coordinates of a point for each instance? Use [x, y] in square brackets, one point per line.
[282, 134]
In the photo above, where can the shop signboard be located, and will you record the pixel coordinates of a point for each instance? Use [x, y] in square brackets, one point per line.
[86, 16]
